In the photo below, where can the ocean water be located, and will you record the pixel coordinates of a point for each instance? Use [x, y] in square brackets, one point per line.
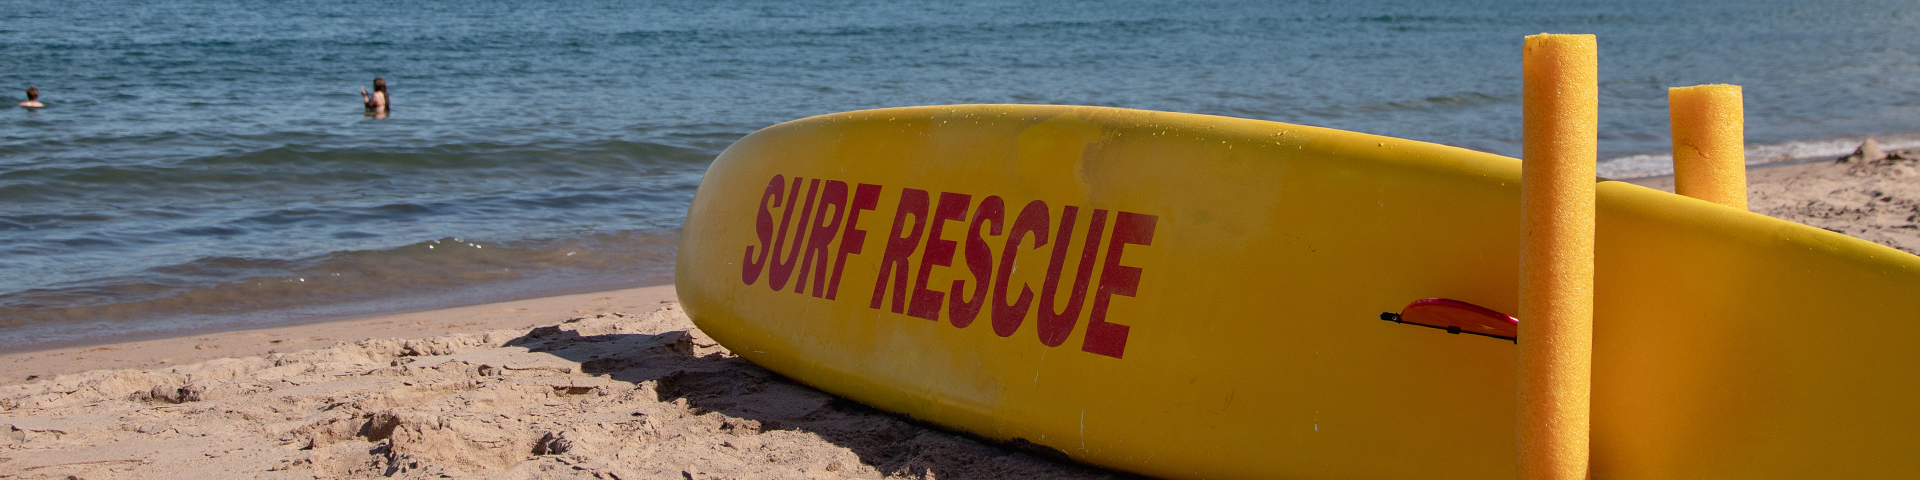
[205, 164]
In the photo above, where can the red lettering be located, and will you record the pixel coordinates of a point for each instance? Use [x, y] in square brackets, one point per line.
[1007, 317]
[833, 213]
[1110, 339]
[939, 252]
[865, 197]
[782, 270]
[894, 263]
[979, 261]
[1054, 327]
[750, 267]
[821, 236]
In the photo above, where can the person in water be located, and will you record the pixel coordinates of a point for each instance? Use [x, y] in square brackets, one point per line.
[378, 101]
[33, 99]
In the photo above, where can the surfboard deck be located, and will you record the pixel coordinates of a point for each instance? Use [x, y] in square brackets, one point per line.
[1193, 296]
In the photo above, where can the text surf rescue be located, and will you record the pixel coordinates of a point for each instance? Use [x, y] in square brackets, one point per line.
[918, 237]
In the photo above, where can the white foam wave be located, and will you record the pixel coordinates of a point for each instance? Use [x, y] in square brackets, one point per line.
[1652, 165]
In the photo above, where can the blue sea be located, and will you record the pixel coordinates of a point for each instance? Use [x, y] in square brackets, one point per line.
[206, 165]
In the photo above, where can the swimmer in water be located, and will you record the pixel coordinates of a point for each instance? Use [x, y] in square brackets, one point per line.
[377, 102]
[33, 99]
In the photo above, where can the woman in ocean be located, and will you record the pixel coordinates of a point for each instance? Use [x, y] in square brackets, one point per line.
[377, 103]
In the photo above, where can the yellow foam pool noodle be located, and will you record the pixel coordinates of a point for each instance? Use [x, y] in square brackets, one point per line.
[1561, 109]
[1709, 143]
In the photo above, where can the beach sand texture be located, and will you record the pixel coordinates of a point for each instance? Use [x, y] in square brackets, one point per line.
[621, 394]
[1871, 194]
[610, 385]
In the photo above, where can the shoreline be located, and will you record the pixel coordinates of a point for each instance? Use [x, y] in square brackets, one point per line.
[1792, 152]
[92, 334]
[20, 367]
[172, 349]
[1664, 182]
[527, 312]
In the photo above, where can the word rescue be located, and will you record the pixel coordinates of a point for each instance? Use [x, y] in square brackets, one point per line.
[918, 238]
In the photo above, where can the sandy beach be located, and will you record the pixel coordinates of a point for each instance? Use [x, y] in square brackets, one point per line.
[613, 384]
[1874, 196]
[607, 385]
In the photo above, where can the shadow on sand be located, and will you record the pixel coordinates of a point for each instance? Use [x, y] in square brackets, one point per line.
[686, 366]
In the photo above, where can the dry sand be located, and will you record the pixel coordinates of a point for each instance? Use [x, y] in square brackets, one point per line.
[614, 385]
[1870, 195]
[633, 391]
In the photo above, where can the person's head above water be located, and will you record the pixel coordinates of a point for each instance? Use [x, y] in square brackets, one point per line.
[379, 84]
[33, 98]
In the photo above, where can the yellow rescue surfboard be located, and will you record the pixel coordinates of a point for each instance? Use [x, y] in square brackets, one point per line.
[1192, 296]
